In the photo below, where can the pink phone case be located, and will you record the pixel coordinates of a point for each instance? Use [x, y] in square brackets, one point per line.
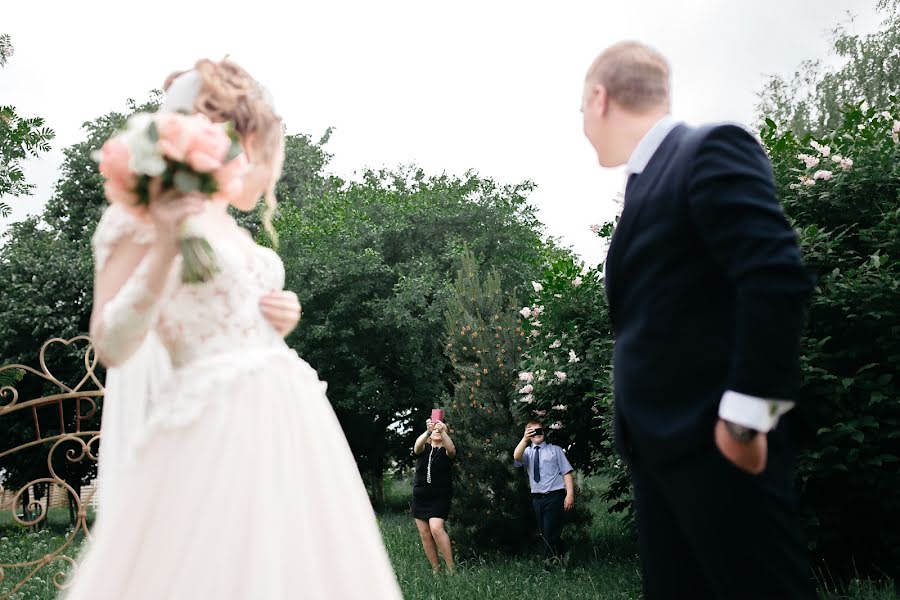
[437, 415]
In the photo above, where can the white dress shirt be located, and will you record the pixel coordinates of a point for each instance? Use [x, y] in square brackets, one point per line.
[761, 414]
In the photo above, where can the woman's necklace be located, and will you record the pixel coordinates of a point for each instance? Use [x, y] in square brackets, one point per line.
[430, 455]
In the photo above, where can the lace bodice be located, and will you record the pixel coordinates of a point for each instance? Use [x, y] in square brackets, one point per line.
[198, 321]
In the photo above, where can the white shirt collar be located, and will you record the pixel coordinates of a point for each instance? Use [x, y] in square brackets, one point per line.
[649, 144]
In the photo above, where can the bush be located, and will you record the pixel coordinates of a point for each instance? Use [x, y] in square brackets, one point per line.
[842, 192]
[492, 505]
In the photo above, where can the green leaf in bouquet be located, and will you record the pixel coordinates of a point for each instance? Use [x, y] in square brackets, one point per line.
[142, 190]
[232, 132]
[186, 182]
[153, 132]
[208, 184]
[234, 151]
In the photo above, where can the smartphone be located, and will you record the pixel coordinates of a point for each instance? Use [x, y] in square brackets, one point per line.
[437, 414]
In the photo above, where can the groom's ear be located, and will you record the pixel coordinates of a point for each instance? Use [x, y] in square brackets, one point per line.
[598, 98]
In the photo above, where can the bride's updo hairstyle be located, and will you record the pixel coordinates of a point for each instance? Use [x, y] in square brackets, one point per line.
[227, 92]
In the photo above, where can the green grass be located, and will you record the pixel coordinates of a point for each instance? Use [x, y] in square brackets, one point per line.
[498, 577]
[58, 519]
[19, 545]
[607, 569]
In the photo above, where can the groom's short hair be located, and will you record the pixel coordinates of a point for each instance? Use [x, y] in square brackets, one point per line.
[635, 76]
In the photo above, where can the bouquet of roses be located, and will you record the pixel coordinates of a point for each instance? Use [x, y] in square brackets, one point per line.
[188, 153]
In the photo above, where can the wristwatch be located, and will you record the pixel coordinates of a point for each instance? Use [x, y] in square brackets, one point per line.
[739, 433]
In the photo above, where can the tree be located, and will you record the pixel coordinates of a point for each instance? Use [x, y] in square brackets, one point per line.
[19, 138]
[814, 98]
[46, 294]
[372, 263]
[6, 49]
[484, 343]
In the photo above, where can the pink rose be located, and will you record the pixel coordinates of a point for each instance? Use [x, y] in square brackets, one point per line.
[174, 135]
[114, 157]
[208, 145]
[118, 194]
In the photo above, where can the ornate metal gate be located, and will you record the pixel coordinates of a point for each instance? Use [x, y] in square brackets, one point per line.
[75, 406]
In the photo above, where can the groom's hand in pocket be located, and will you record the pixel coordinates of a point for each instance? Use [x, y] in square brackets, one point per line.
[281, 309]
[749, 456]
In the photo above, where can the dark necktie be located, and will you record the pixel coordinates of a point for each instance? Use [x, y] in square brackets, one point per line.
[537, 464]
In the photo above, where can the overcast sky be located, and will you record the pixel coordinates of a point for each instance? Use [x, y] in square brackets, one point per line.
[491, 85]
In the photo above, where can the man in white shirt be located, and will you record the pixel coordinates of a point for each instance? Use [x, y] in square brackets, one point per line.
[706, 292]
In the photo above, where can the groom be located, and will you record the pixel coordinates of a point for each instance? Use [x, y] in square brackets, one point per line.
[706, 293]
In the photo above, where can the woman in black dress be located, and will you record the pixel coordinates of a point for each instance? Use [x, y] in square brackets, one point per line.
[432, 492]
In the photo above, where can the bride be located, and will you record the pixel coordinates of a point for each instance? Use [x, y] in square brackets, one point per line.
[240, 484]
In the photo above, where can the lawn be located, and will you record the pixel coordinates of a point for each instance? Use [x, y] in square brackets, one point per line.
[606, 569]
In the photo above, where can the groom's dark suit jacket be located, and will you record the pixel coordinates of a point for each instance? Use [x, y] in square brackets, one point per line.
[706, 290]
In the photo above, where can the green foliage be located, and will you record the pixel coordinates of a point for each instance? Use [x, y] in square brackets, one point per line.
[372, 262]
[485, 343]
[814, 98]
[78, 200]
[46, 294]
[567, 370]
[19, 138]
[6, 49]
[492, 505]
[10, 377]
[848, 219]
[303, 176]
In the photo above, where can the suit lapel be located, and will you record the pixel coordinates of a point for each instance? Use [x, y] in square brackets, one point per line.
[635, 196]
[633, 205]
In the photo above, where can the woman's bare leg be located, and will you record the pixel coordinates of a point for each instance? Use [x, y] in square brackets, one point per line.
[442, 539]
[428, 543]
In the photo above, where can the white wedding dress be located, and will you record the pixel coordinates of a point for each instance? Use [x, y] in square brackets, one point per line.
[241, 484]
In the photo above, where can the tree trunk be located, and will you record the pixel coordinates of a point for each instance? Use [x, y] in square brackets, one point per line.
[72, 512]
[376, 467]
[376, 478]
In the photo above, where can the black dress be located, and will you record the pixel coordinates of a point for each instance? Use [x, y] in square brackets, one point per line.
[431, 499]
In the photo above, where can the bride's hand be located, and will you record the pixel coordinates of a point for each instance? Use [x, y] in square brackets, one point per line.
[282, 310]
[168, 209]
